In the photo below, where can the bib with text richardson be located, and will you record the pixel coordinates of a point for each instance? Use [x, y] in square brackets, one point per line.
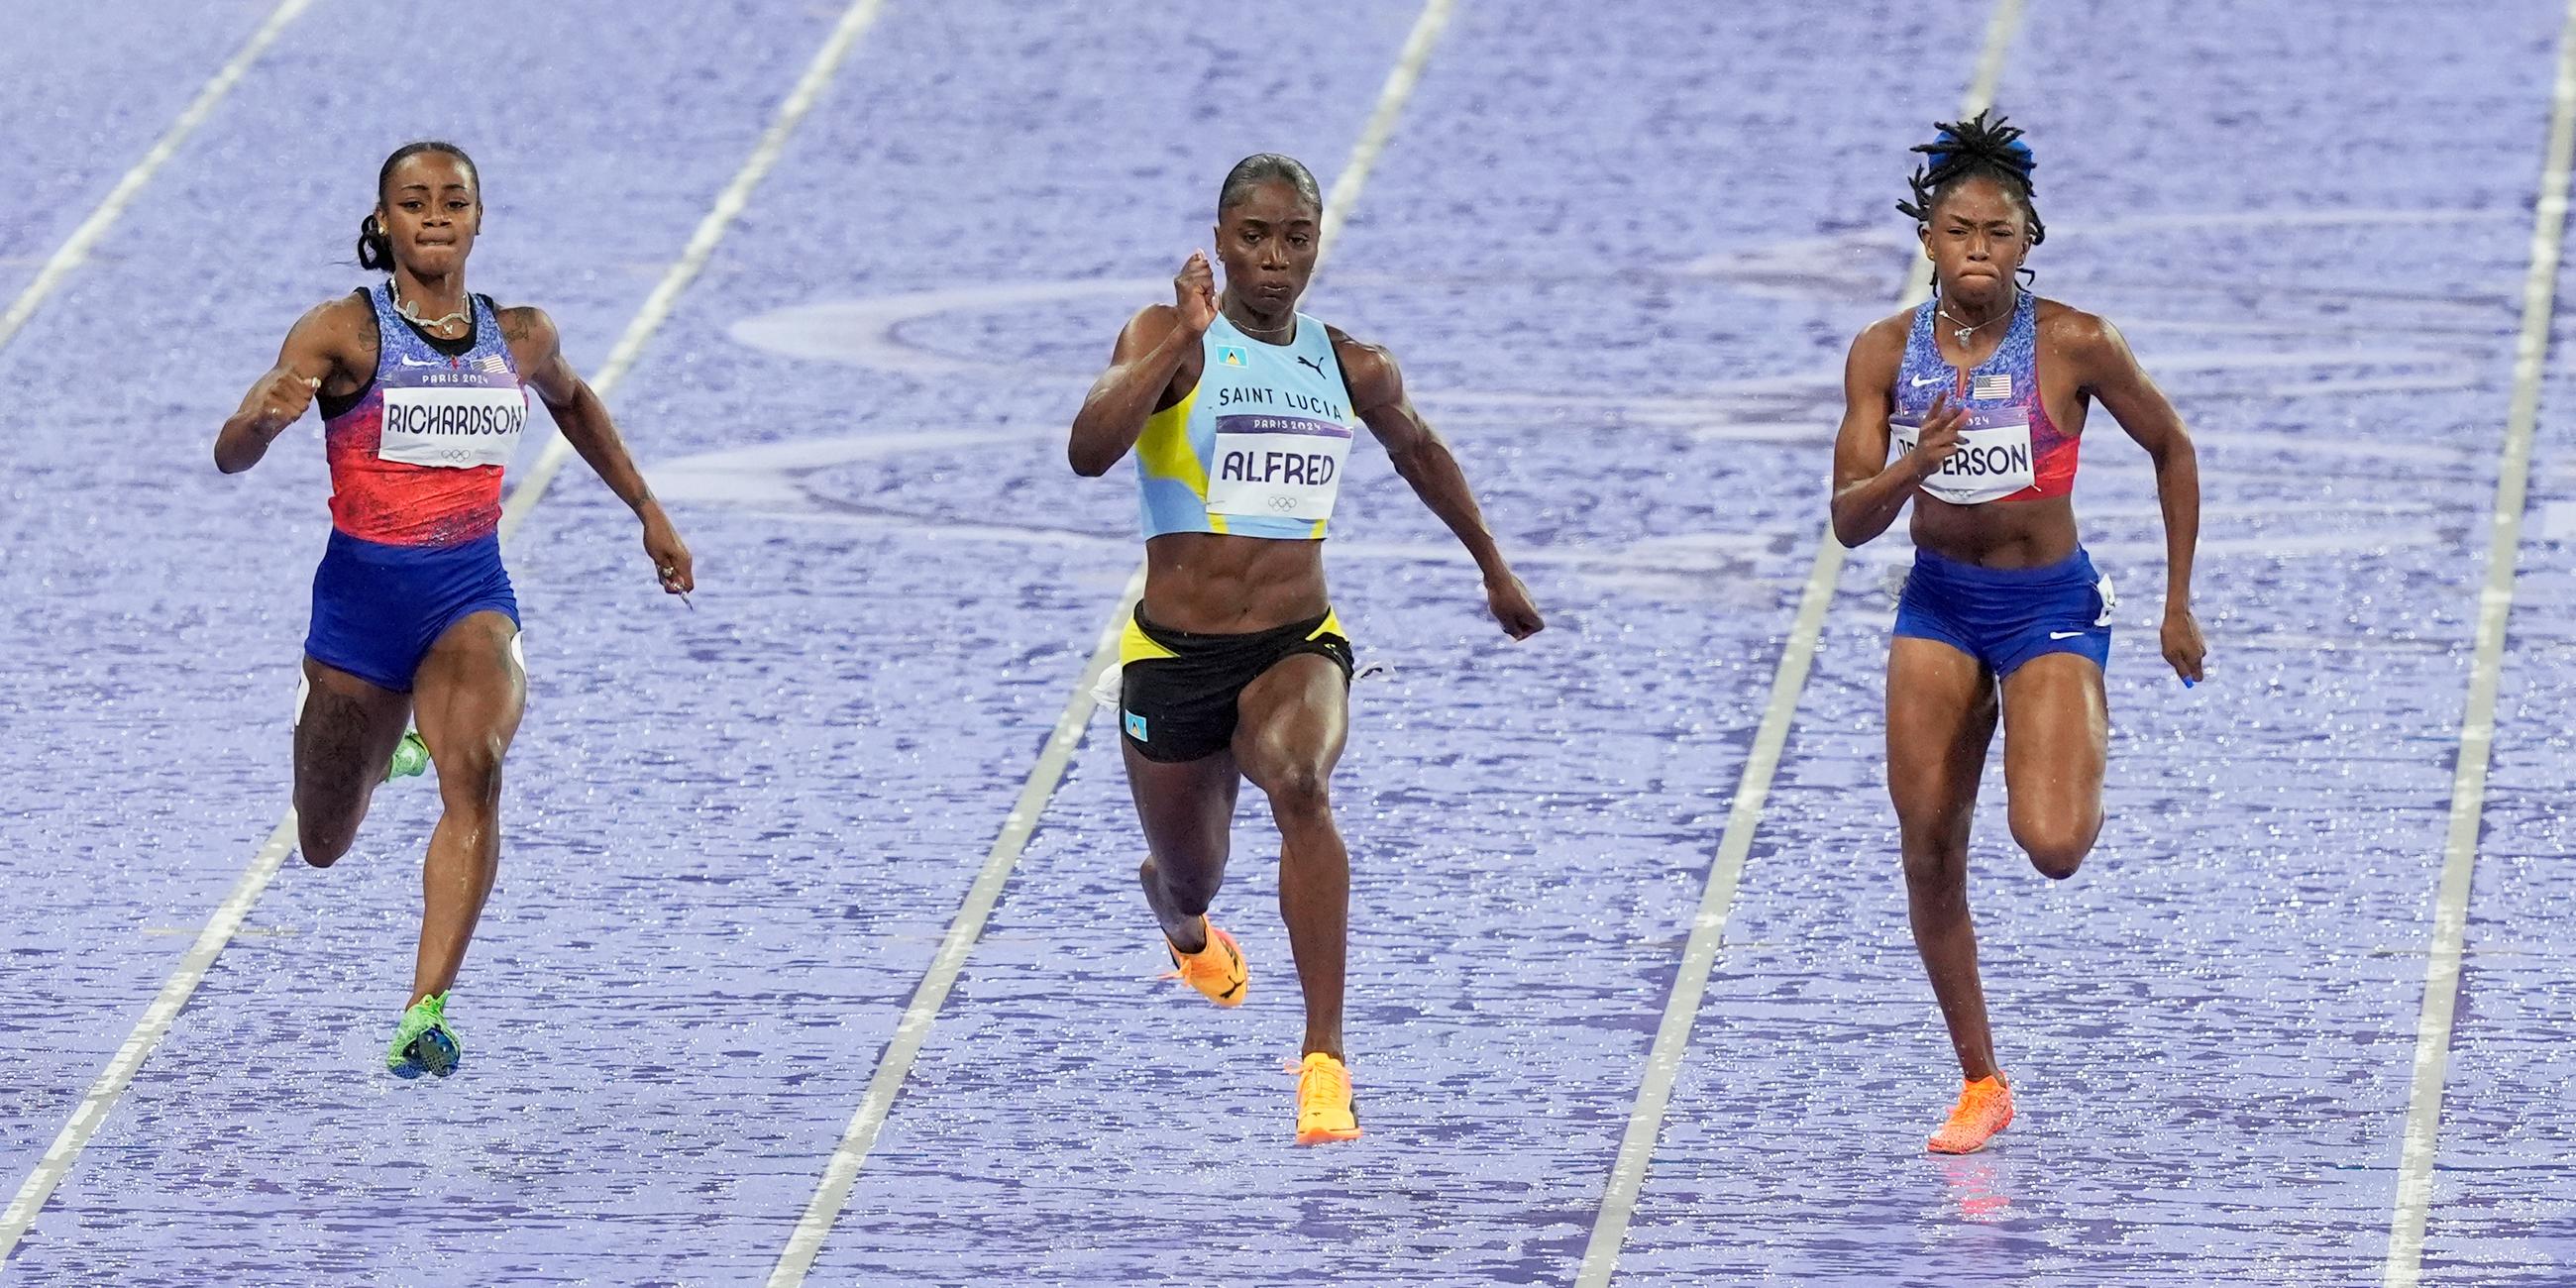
[454, 427]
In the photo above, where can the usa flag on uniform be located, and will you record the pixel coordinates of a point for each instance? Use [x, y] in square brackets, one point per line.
[1994, 386]
[492, 362]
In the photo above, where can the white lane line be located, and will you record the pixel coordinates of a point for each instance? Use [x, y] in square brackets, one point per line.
[85, 238]
[841, 1173]
[147, 1034]
[1391, 98]
[227, 919]
[1708, 929]
[854, 23]
[2477, 725]
[56, 1163]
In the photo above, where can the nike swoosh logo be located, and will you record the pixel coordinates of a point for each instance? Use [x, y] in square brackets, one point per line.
[409, 363]
[2063, 635]
[1932, 381]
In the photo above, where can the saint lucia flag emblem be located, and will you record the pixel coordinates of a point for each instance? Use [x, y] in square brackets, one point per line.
[1136, 727]
[1229, 356]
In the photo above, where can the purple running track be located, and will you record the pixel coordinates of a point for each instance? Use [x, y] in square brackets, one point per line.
[1620, 254]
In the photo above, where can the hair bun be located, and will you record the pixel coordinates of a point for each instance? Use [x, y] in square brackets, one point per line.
[1984, 143]
[1999, 143]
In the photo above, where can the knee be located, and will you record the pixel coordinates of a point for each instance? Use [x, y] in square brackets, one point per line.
[2057, 849]
[1299, 792]
[320, 846]
[1934, 840]
[470, 771]
[1934, 865]
[2058, 861]
[1191, 885]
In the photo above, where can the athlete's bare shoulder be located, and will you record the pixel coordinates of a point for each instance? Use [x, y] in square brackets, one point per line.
[1895, 326]
[1349, 346]
[340, 334]
[1879, 349]
[1368, 370]
[2088, 340]
[2063, 323]
[1146, 332]
[536, 349]
[526, 325]
[342, 317]
[345, 309]
[1150, 324]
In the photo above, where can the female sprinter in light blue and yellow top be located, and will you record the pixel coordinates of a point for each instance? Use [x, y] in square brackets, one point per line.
[1241, 412]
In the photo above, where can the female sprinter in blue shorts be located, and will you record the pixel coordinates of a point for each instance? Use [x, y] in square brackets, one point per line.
[1241, 411]
[413, 616]
[1984, 392]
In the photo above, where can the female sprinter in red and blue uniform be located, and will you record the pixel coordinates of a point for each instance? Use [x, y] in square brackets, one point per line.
[413, 616]
[1983, 392]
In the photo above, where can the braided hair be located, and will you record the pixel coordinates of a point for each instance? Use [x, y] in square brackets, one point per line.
[1976, 148]
[375, 249]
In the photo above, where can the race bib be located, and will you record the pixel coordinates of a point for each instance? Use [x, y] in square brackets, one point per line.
[1993, 462]
[1280, 467]
[453, 428]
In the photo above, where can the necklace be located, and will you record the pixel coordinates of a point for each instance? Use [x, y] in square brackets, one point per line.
[457, 318]
[1289, 325]
[1962, 330]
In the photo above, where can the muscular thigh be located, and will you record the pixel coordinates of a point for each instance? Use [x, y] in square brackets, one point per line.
[345, 731]
[1940, 719]
[470, 690]
[2057, 733]
[1186, 807]
[1294, 721]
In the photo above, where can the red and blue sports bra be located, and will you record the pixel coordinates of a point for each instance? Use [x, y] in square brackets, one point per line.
[416, 458]
[2010, 450]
